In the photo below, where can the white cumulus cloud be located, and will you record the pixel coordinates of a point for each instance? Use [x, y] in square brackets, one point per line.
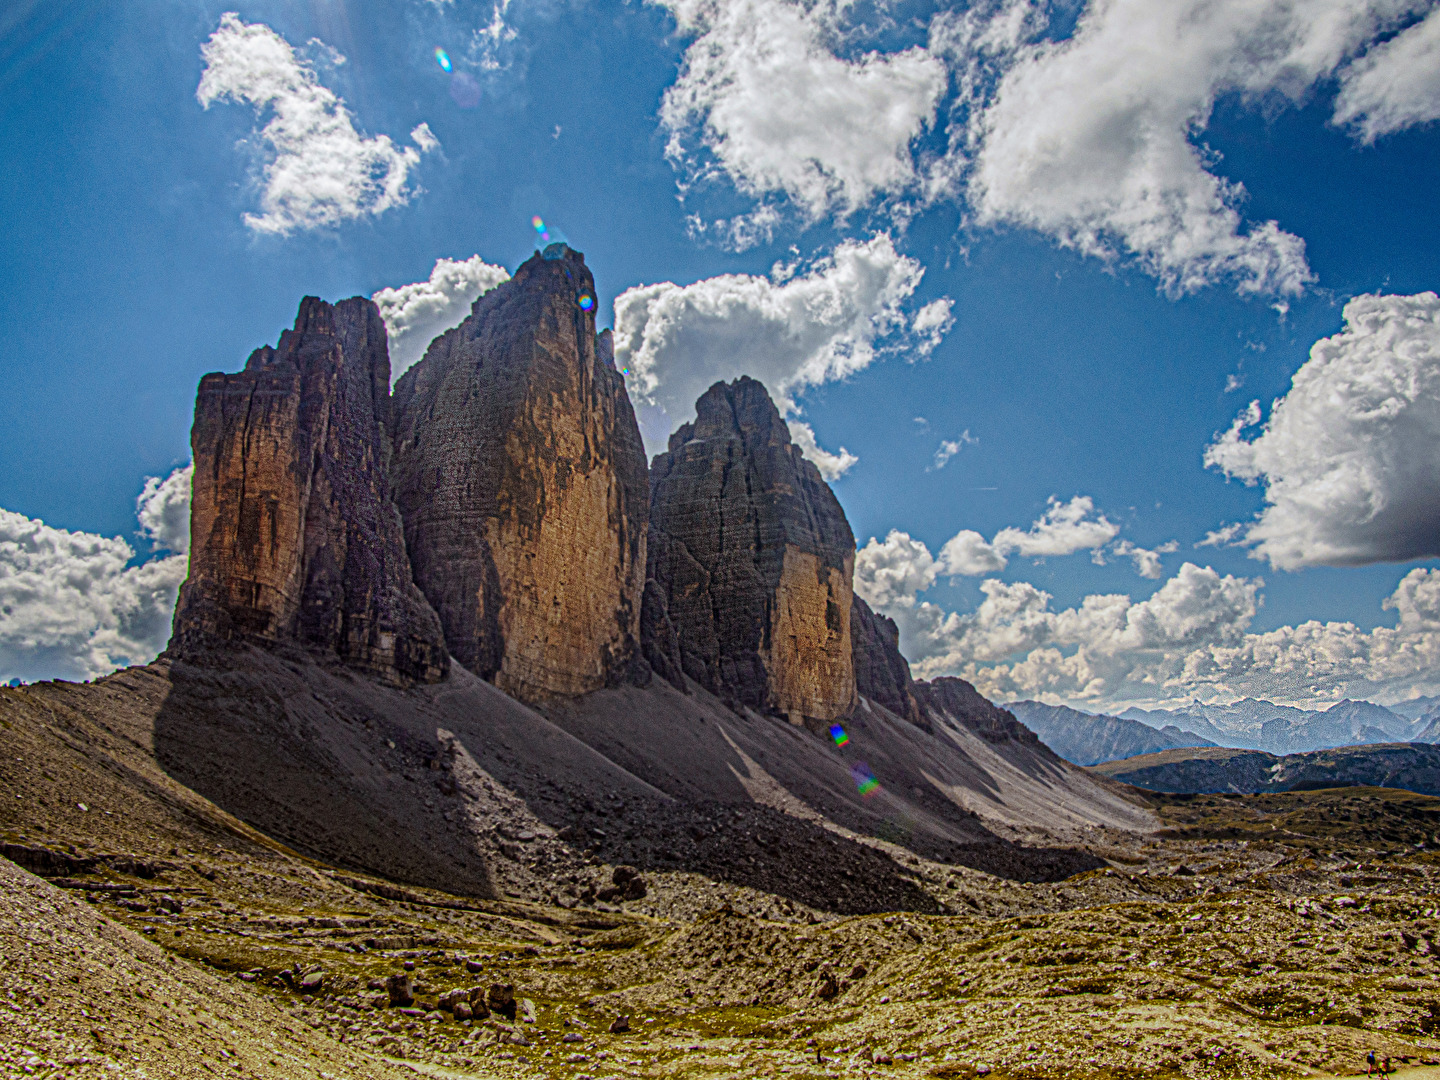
[1064, 528]
[1350, 456]
[1395, 85]
[779, 113]
[1095, 138]
[71, 606]
[889, 573]
[1191, 638]
[163, 510]
[832, 466]
[418, 313]
[899, 566]
[319, 170]
[1146, 560]
[791, 330]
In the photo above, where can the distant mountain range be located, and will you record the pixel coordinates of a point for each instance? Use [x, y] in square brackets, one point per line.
[1250, 724]
[1254, 724]
[1086, 739]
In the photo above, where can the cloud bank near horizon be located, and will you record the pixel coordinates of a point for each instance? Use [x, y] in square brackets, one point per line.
[71, 604]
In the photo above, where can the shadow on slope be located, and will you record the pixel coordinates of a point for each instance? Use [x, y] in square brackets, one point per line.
[459, 787]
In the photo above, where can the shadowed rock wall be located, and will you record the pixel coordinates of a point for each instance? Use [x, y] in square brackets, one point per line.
[293, 534]
[753, 560]
[881, 673]
[521, 478]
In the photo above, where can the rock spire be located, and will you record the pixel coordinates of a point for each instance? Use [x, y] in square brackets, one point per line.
[294, 536]
[752, 562]
[521, 478]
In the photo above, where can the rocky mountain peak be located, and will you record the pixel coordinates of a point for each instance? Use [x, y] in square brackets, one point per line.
[753, 561]
[294, 536]
[741, 410]
[521, 478]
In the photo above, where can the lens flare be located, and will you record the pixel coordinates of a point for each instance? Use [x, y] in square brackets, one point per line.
[838, 734]
[865, 782]
[586, 301]
[540, 228]
[443, 59]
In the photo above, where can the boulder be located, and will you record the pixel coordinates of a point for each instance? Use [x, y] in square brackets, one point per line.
[401, 989]
[500, 998]
[521, 478]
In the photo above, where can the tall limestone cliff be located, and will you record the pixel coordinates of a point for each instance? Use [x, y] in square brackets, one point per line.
[294, 536]
[752, 561]
[521, 478]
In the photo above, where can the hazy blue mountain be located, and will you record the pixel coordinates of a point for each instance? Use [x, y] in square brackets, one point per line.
[1416, 708]
[1088, 739]
[1255, 724]
[1188, 719]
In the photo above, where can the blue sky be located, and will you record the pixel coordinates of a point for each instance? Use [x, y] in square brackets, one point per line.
[947, 235]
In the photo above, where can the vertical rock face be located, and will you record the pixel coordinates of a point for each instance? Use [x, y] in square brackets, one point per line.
[294, 536]
[753, 559]
[521, 478]
[881, 673]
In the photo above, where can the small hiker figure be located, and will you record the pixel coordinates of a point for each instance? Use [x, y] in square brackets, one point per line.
[1385, 1069]
[1370, 1063]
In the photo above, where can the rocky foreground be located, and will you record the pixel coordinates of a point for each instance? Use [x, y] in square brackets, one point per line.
[1246, 939]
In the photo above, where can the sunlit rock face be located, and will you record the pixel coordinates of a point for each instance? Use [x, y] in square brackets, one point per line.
[521, 479]
[754, 560]
[294, 536]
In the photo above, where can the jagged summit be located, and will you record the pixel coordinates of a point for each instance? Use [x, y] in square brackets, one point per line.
[521, 478]
[753, 560]
[294, 536]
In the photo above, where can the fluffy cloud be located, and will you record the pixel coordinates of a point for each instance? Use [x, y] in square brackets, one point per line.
[1091, 139]
[1348, 456]
[163, 510]
[790, 330]
[1146, 560]
[889, 574]
[1064, 528]
[1094, 137]
[831, 466]
[72, 607]
[320, 171]
[889, 571]
[1190, 638]
[1097, 650]
[779, 112]
[416, 314]
[1395, 85]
